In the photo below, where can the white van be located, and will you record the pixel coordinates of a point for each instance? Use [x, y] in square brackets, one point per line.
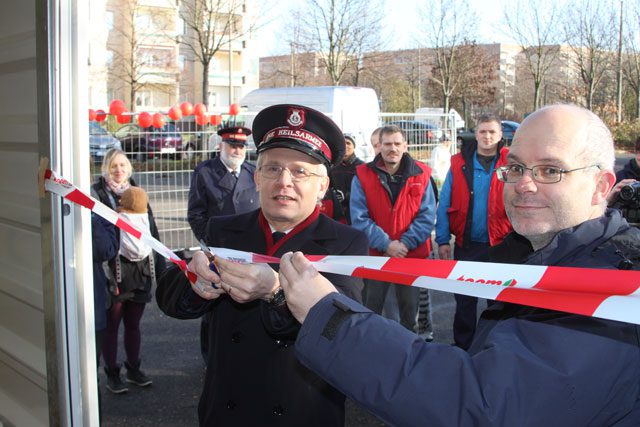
[354, 109]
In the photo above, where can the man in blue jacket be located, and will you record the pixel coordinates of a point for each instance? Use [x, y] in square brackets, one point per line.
[471, 209]
[393, 202]
[526, 366]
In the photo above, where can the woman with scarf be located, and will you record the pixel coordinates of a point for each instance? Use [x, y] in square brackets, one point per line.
[127, 308]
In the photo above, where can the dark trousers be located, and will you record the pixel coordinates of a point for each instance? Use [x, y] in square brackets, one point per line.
[407, 297]
[129, 313]
[466, 316]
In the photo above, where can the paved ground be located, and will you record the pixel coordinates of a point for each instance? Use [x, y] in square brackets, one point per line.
[171, 356]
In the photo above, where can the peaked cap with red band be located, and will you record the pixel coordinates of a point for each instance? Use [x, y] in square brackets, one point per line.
[299, 128]
[235, 134]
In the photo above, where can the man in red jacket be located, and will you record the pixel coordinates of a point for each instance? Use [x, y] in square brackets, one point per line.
[393, 202]
[471, 208]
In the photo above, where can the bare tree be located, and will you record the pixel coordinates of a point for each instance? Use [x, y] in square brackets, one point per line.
[631, 57]
[137, 29]
[477, 88]
[341, 32]
[533, 25]
[449, 28]
[588, 32]
[211, 26]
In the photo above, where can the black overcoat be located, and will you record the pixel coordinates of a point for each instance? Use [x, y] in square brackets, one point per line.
[214, 192]
[253, 377]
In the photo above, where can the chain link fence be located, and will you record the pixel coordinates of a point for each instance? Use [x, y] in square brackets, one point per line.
[163, 161]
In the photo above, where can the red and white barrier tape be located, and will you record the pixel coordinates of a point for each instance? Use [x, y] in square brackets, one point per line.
[608, 294]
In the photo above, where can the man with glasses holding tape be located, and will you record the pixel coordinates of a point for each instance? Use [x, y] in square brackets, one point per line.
[253, 377]
[526, 366]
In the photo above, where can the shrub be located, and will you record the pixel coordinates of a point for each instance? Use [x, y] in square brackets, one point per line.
[625, 134]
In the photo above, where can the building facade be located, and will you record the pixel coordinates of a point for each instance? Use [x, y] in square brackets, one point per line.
[142, 51]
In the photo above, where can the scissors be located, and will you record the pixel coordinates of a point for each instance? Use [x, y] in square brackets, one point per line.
[211, 257]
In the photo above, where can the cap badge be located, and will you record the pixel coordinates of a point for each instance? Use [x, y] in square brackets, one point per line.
[296, 117]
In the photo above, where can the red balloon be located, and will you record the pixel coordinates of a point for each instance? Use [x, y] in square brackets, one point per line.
[175, 113]
[158, 120]
[186, 108]
[117, 107]
[92, 114]
[123, 118]
[101, 116]
[199, 109]
[145, 120]
[202, 119]
[234, 109]
[216, 119]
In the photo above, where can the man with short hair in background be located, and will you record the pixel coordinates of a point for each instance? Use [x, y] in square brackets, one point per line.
[393, 202]
[375, 140]
[342, 174]
[471, 209]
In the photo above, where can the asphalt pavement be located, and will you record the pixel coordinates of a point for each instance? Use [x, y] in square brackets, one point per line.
[171, 357]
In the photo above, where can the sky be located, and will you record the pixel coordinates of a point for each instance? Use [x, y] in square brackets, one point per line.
[402, 14]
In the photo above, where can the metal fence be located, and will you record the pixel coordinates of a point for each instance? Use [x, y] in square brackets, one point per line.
[166, 175]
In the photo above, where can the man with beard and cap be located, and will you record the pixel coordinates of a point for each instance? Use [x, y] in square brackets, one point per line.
[221, 186]
[526, 366]
[252, 376]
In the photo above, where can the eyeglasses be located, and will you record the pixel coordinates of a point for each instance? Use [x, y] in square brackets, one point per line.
[298, 174]
[543, 174]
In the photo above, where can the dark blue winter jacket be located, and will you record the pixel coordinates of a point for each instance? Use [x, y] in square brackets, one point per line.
[526, 366]
[105, 247]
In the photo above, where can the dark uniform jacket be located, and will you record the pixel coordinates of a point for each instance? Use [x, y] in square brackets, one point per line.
[253, 378]
[526, 366]
[341, 176]
[215, 192]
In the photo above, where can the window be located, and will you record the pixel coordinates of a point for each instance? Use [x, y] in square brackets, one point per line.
[108, 18]
[108, 58]
[181, 62]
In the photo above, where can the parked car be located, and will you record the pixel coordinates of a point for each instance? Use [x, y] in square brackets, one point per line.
[100, 141]
[508, 130]
[142, 144]
[417, 132]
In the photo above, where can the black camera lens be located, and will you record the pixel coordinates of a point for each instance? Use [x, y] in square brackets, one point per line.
[628, 192]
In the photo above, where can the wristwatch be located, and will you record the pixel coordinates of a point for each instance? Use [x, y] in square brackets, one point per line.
[277, 298]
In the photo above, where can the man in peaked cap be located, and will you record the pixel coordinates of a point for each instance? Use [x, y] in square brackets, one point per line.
[252, 375]
[221, 186]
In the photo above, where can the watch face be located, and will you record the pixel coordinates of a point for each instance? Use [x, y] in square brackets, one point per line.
[278, 298]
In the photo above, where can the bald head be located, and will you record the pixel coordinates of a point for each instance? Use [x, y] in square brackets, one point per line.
[576, 126]
[575, 143]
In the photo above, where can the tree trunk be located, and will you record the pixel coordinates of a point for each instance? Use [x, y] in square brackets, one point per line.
[205, 85]
[536, 96]
[638, 102]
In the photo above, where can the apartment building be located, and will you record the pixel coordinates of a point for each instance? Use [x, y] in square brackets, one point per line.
[507, 74]
[140, 52]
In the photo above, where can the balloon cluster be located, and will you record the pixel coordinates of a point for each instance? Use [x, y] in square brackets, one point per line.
[118, 109]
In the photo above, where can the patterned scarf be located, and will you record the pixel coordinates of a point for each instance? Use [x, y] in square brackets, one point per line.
[117, 189]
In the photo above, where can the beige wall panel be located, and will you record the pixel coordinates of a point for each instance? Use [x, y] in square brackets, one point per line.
[25, 403]
[18, 188]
